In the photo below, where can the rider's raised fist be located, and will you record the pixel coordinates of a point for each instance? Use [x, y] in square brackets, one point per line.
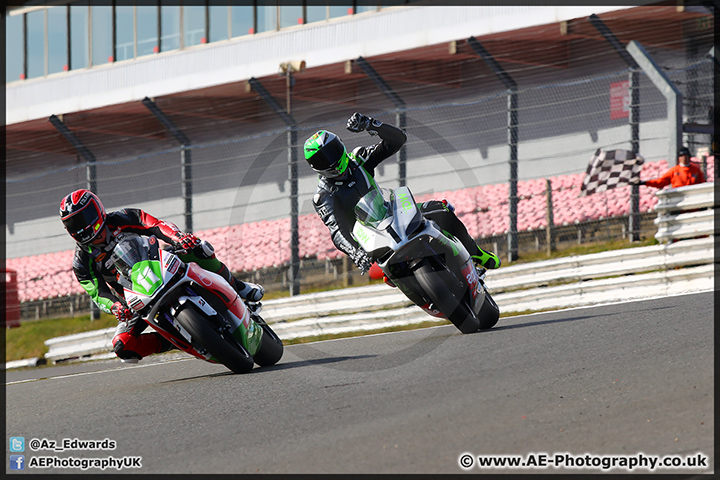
[358, 122]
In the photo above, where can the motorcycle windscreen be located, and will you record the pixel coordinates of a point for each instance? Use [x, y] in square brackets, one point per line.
[129, 251]
[136, 269]
[373, 208]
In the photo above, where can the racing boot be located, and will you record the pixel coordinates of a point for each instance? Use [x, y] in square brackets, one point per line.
[251, 292]
[486, 259]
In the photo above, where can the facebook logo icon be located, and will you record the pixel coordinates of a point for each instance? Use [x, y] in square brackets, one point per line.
[17, 462]
[17, 444]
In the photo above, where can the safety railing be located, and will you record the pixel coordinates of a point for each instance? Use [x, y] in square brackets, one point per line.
[686, 212]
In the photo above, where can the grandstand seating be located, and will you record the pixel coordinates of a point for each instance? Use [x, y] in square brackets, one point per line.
[256, 245]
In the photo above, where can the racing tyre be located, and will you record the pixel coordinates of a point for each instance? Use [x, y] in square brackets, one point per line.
[271, 348]
[489, 312]
[443, 288]
[232, 355]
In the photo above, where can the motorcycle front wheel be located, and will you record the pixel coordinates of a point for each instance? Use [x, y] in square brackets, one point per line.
[232, 355]
[445, 292]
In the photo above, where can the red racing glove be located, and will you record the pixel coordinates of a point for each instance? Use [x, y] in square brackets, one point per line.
[121, 312]
[188, 241]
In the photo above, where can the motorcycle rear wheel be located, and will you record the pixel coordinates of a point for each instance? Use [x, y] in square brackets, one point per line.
[232, 355]
[271, 349]
[439, 284]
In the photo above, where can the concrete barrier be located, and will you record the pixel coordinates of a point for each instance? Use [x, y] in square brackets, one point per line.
[79, 344]
[655, 284]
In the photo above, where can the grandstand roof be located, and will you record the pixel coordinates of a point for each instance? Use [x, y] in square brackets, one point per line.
[237, 107]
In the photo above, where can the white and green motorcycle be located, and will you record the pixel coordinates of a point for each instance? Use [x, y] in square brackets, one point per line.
[430, 266]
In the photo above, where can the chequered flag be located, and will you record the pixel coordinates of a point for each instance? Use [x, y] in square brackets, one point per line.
[610, 169]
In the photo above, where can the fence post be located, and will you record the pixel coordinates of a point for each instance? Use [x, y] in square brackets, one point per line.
[512, 132]
[674, 100]
[185, 159]
[634, 90]
[549, 217]
[293, 177]
[347, 271]
[291, 124]
[91, 175]
[634, 217]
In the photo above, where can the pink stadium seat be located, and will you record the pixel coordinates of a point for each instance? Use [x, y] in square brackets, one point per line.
[710, 177]
[589, 211]
[470, 222]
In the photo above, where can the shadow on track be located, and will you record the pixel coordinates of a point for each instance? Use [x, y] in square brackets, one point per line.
[310, 361]
[280, 366]
[380, 361]
[501, 327]
[315, 356]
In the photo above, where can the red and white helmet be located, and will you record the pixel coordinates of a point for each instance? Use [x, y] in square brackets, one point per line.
[83, 215]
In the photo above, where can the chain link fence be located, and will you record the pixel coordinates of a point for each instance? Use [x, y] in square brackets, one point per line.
[457, 149]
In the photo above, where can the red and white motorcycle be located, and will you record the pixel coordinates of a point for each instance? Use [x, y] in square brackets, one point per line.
[196, 310]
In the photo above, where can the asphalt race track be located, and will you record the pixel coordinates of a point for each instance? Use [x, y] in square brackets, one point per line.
[626, 379]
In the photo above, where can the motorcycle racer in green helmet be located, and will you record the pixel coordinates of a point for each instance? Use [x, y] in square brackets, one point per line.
[345, 177]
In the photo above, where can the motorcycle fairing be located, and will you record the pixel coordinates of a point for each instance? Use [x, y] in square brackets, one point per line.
[394, 212]
[241, 325]
[146, 272]
[396, 234]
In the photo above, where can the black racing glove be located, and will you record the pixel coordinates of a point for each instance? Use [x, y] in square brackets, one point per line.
[358, 122]
[361, 259]
[636, 181]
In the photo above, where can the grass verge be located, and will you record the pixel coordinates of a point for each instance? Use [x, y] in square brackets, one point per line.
[28, 340]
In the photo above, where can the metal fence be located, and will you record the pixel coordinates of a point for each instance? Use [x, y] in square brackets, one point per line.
[457, 149]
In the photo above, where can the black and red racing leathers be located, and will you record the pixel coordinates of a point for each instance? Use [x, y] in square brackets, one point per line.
[91, 263]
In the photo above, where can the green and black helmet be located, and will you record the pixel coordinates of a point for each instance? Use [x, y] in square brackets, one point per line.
[326, 154]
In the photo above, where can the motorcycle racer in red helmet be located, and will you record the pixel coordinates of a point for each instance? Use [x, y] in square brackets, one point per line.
[84, 217]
